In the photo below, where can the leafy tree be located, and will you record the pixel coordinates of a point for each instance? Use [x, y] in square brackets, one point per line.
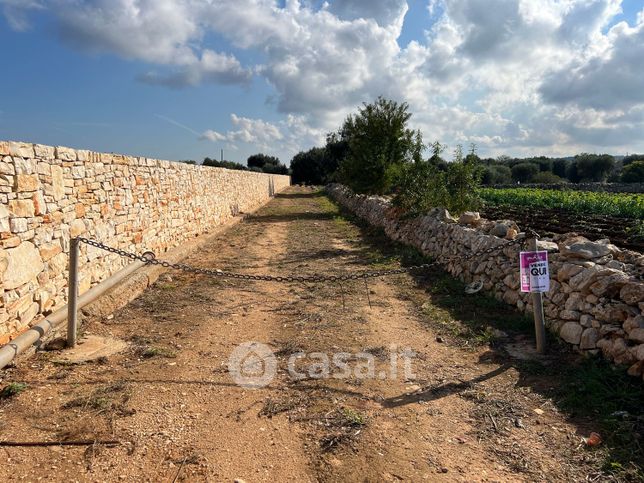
[267, 164]
[633, 172]
[379, 145]
[496, 174]
[224, 164]
[308, 167]
[188, 161]
[631, 158]
[437, 149]
[593, 167]
[524, 172]
[260, 160]
[559, 167]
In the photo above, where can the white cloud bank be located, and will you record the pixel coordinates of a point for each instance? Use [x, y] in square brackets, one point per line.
[516, 76]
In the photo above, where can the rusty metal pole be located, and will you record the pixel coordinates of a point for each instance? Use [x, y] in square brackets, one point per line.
[539, 318]
[72, 299]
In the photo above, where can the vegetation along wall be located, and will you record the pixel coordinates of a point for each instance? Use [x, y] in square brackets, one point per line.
[596, 297]
[49, 194]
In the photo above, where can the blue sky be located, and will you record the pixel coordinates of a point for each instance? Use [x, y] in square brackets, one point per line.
[182, 79]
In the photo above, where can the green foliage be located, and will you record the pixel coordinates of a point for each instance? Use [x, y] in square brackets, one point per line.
[594, 167]
[267, 164]
[379, 145]
[547, 177]
[524, 172]
[633, 172]
[624, 205]
[424, 186]
[496, 174]
[224, 164]
[12, 389]
[313, 167]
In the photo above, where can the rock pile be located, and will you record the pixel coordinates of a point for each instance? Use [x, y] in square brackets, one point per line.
[596, 297]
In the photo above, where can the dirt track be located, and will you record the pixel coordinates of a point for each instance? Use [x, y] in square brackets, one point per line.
[467, 415]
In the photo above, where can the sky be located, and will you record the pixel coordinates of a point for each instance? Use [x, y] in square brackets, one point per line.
[183, 79]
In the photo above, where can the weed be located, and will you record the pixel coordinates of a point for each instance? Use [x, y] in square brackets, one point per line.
[12, 389]
[159, 352]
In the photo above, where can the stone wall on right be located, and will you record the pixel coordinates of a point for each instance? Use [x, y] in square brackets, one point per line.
[596, 297]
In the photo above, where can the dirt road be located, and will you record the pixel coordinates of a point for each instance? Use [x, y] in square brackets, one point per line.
[467, 413]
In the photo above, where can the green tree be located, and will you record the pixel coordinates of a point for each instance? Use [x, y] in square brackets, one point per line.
[594, 167]
[308, 167]
[633, 172]
[267, 164]
[379, 145]
[524, 172]
[496, 174]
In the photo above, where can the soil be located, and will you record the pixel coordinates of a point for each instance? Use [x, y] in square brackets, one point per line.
[465, 413]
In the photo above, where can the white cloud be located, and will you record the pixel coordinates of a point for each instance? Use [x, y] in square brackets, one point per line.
[511, 75]
[16, 12]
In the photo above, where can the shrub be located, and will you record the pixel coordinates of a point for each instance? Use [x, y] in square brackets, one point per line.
[424, 186]
[496, 174]
[546, 177]
[524, 172]
[633, 172]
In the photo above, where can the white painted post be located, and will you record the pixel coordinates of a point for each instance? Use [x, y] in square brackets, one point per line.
[539, 318]
[72, 302]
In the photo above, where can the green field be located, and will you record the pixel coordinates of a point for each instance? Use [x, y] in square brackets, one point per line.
[622, 205]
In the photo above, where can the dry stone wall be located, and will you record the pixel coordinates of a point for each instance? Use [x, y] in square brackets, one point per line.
[596, 298]
[49, 194]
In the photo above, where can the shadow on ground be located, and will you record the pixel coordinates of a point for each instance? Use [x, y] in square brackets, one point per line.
[594, 395]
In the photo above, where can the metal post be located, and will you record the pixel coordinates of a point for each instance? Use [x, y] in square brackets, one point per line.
[72, 302]
[539, 318]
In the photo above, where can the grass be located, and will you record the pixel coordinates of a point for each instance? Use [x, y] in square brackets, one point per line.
[159, 352]
[12, 389]
[111, 397]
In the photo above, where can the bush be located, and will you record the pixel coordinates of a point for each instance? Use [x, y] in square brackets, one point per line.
[524, 172]
[424, 186]
[633, 172]
[496, 174]
[379, 144]
[546, 177]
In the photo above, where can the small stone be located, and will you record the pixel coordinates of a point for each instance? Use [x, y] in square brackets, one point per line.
[589, 339]
[76, 228]
[632, 293]
[470, 218]
[24, 264]
[571, 332]
[580, 247]
[637, 335]
[22, 208]
[26, 182]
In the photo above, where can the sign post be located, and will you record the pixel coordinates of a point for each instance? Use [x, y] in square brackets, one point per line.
[72, 298]
[535, 278]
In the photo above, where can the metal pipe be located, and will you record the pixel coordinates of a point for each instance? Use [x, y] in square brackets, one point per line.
[9, 351]
[72, 297]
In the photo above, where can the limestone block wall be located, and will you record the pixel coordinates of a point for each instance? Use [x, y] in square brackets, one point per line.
[49, 194]
[596, 298]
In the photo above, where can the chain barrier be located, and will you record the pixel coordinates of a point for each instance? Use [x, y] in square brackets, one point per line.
[149, 258]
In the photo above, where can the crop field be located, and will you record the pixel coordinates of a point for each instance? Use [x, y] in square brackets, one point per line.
[618, 216]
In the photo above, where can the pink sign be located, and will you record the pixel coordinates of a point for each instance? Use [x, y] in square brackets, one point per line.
[535, 276]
